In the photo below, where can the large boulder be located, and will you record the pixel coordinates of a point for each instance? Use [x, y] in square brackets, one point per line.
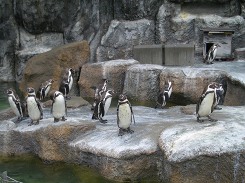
[142, 81]
[207, 152]
[188, 83]
[33, 45]
[92, 74]
[50, 65]
[121, 36]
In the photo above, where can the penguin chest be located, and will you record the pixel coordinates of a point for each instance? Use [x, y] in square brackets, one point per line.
[70, 83]
[14, 107]
[59, 108]
[33, 109]
[47, 90]
[107, 104]
[124, 116]
[206, 105]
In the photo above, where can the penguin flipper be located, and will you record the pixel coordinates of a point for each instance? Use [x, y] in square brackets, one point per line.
[117, 116]
[131, 112]
[102, 109]
[40, 109]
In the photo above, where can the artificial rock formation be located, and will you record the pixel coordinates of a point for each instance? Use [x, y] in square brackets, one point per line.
[51, 64]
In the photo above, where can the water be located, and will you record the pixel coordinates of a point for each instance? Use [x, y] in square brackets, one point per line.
[30, 169]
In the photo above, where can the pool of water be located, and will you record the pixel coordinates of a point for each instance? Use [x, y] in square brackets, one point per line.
[30, 169]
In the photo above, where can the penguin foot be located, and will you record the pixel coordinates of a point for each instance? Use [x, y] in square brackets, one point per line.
[103, 121]
[31, 123]
[200, 120]
[217, 108]
[68, 98]
[211, 119]
[121, 132]
[63, 119]
[37, 123]
[130, 131]
[56, 120]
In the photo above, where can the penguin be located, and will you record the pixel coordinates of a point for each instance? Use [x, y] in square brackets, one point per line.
[99, 91]
[15, 104]
[33, 107]
[99, 111]
[165, 95]
[66, 82]
[211, 54]
[44, 89]
[59, 108]
[219, 94]
[102, 106]
[124, 115]
[107, 100]
[206, 103]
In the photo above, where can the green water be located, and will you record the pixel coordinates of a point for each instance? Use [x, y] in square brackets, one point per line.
[30, 169]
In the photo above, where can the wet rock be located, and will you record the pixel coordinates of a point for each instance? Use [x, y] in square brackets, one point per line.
[51, 64]
[113, 70]
[184, 145]
[207, 148]
[121, 36]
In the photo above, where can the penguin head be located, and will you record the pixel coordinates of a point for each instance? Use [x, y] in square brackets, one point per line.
[122, 97]
[10, 91]
[56, 94]
[31, 91]
[50, 81]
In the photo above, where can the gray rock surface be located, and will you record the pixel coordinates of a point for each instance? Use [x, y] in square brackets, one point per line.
[164, 142]
[121, 36]
[113, 70]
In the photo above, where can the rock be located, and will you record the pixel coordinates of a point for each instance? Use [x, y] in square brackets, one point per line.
[142, 81]
[6, 114]
[113, 70]
[52, 63]
[240, 54]
[42, 16]
[121, 36]
[74, 102]
[32, 45]
[189, 82]
[160, 148]
[207, 148]
[134, 10]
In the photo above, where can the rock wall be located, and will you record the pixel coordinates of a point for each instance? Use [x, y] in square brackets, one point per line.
[111, 27]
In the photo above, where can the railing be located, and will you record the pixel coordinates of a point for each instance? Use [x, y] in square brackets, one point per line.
[4, 178]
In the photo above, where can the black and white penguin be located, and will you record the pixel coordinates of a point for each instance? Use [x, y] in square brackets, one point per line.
[164, 95]
[207, 101]
[124, 115]
[99, 92]
[59, 108]
[66, 82]
[15, 104]
[107, 100]
[44, 89]
[211, 54]
[102, 106]
[219, 94]
[34, 108]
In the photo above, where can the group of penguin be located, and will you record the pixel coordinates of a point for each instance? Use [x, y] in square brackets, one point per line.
[32, 108]
[209, 100]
